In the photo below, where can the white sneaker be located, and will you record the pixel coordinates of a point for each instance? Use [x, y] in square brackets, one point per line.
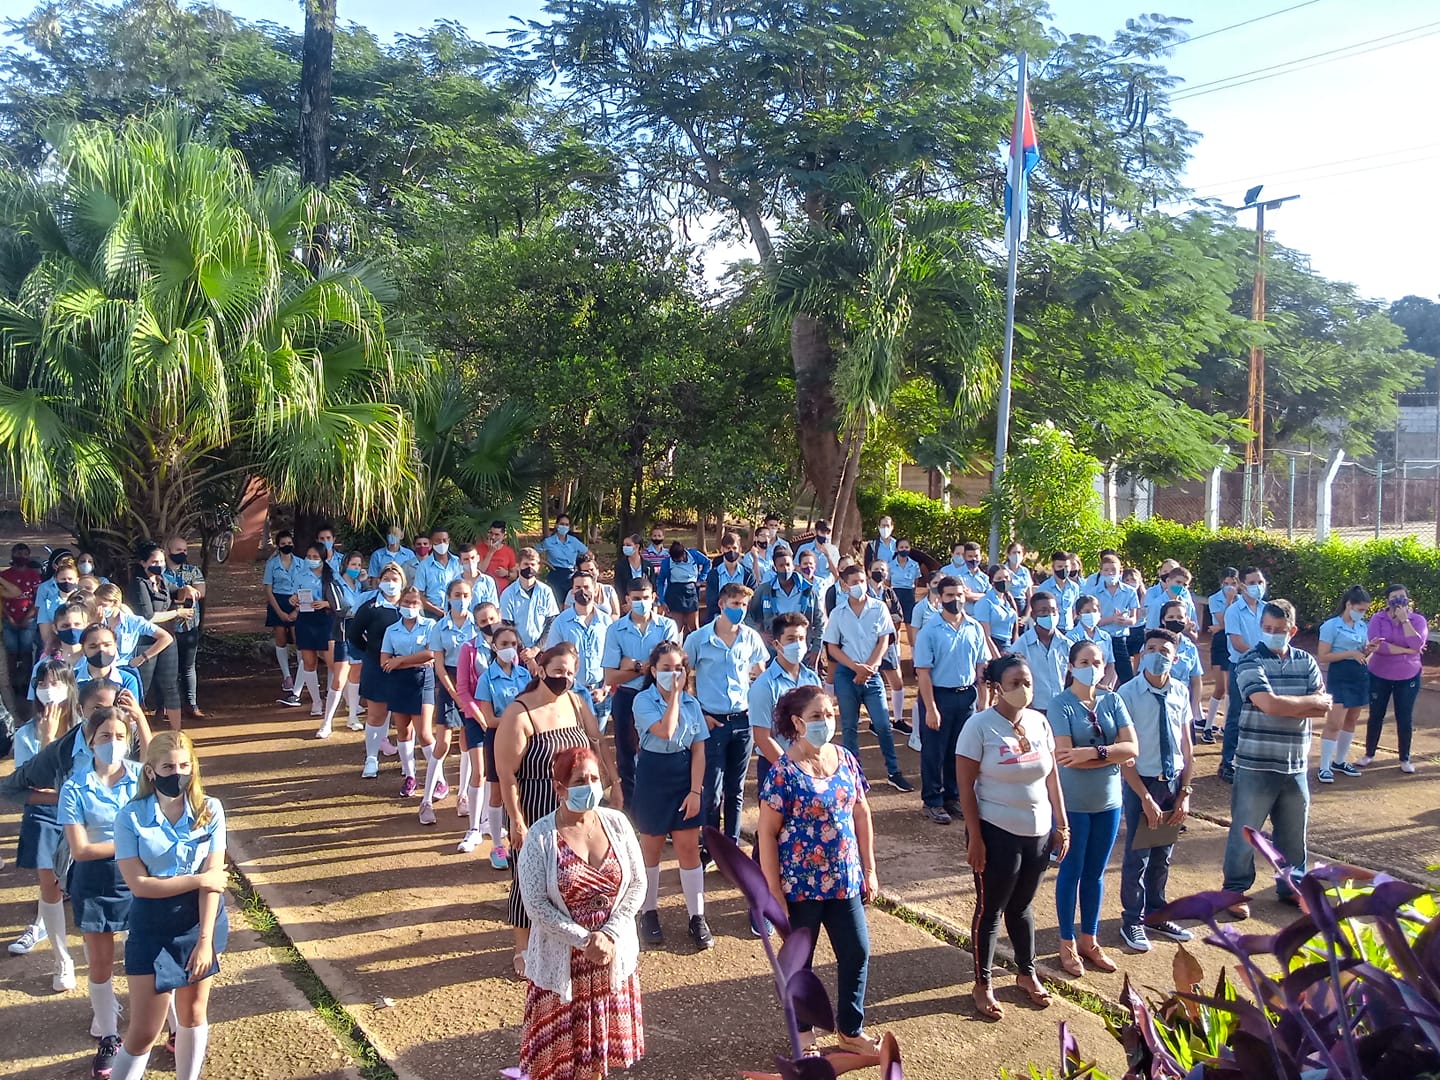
[1364, 760]
[371, 770]
[355, 724]
[64, 980]
[33, 935]
[1407, 766]
[427, 814]
[95, 1025]
[469, 843]
[324, 732]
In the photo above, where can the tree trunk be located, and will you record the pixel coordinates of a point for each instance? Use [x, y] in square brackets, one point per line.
[817, 417]
[317, 62]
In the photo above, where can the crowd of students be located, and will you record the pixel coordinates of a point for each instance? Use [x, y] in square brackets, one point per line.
[1049, 711]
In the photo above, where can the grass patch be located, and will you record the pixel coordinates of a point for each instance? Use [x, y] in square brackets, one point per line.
[297, 969]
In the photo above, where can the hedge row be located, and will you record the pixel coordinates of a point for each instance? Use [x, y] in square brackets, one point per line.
[1309, 574]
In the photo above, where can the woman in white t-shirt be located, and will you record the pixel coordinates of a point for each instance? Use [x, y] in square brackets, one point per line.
[1014, 818]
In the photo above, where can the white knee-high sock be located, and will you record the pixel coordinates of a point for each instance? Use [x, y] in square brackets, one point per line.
[105, 1007]
[478, 809]
[915, 712]
[39, 913]
[332, 703]
[310, 681]
[897, 704]
[128, 1066]
[282, 657]
[407, 757]
[190, 1047]
[692, 884]
[1327, 754]
[652, 888]
[352, 698]
[1210, 711]
[430, 771]
[374, 736]
[1342, 746]
[53, 918]
[173, 1017]
[466, 770]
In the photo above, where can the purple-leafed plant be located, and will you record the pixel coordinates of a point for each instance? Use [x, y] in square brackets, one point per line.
[802, 995]
[1348, 991]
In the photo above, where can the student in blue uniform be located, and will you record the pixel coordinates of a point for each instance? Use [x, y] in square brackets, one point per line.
[281, 570]
[89, 803]
[482, 585]
[447, 637]
[314, 629]
[101, 661]
[827, 556]
[966, 565]
[729, 569]
[585, 626]
[905, 573]
[561, 550]
[633, 565]
[493, 688]
[1119, 611]
[679, 585]
[325, 537]
[950, 657]
[1087, 628]
[883, 546]
[435, 572]
[528, 604]
[1022, 583]
[367, 637]
[170, 844]
[628, 645]
[394, 551]
[1175, 617]
[1062, 585]
[1220, 599]
[409, 666]
[345, 658]
[669, 776]
[998, 612]
[1344, 651]
[790, 632]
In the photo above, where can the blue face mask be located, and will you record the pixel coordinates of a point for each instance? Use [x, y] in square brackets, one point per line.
[957, 561]
[353, 573]
[1276, 642]
[562, 530]
[109, 753]
[457, 604]
[314, 564]
[329, 544]
[628, 549]
[641, 607]
[70, 635]
[1255, 592]
[1156, 664]
[1045, 622]
[1088, 675]
[819, 732]
[793, 651]
[393, 539]
[582, 799]
[1089, 619]
[1109, 579]
[734, 614]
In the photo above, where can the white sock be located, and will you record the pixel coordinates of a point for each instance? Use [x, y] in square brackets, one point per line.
[282, 657]
[1342, 746]
[172, 1016]
[692, 884]
[310, 680]
[53, 918]
[374, 736]
[39, 913]
[897, 704]
[129, 1067]
[466, 770]
[432, 771]
[478, 808]
[352, 698]
[105, 1007]
[1327, 754]
[407, 758]
[915, 712]
[190, 1046]
[332, 702]
[1211, 710]
[652, 888]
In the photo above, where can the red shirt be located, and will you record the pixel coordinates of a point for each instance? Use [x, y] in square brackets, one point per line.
[502, 559]
[27, 579]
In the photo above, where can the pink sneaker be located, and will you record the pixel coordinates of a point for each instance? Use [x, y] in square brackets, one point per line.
[388, 747]
[462, 805]
[441, 790]
[427, 814]
[408, 787]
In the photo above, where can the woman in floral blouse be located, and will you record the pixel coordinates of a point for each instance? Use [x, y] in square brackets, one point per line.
[817, 848]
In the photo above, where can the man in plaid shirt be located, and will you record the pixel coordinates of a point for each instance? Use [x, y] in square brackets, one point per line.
[1280, 691]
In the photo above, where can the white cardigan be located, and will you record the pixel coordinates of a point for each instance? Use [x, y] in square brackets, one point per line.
[554, 934]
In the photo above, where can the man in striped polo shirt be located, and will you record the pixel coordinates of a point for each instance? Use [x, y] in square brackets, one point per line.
[1280, 691]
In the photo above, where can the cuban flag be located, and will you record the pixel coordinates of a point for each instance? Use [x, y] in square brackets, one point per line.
[1024, 156]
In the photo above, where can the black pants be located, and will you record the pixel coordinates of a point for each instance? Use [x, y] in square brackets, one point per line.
[159, 678]
[1404, 691]
[1007, 886]
[187, 645]
[627, 742]
[938, 783]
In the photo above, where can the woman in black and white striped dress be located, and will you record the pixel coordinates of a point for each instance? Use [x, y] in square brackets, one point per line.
[546, 718]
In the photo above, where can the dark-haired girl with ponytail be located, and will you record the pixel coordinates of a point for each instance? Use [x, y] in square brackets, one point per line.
[1014, 817]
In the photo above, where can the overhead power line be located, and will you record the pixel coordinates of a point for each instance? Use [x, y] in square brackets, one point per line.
[1215, 194]
[1273, 174]
[1246, 22]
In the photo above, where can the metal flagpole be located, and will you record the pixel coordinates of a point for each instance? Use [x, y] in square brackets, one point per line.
[1017, 212]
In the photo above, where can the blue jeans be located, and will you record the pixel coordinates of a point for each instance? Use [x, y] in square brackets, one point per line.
[1145, 871]
[21, 642]
[1092, 838]
[850, 695]
[845, 926]
[1230, 740]
[938, 782]
[1284, 798]
[727, 756]
[1124, 669]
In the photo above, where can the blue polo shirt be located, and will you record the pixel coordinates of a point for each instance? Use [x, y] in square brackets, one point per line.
[166, 850]
[382, 558]
[561, 552]
[401, 640]
[1100, 638]
[650, 707]
[433, 578]
[823, 569]
[904, 573]
[281, 578]
[624, 640]
[767, 690]
[528, 608]
[482, 591]
[87, 800]
[588, 637]
[500, 689]
[1244, 624]
[447, 636]
[722, 674]
[1124, 598]
[951, 653]
[992, 610]
[1020, 580]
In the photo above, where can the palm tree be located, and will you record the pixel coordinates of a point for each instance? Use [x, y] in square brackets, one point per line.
[895, 286]
[161, 337]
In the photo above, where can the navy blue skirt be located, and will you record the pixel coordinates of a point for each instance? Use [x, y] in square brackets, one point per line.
[100, 897]
[344, 651]
[410, 689]
[286, 603]
[1219, 651]
[163, 932]
[682, 596]
[374, 682]
[313, 630]
[662, 782]
[1348, 682]
[40, 835]
[447, 709]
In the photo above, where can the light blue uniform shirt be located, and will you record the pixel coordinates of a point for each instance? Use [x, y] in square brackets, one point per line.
[1066, 593]
[1090, 791]
[1244, 624]
[724, 577]
[129, 629]
[999, 616]
[884, 549]
[950, 652]
[400, 641]
[627, 641]
[767, 690]
[353, 595]
[46, 604]
[120, 675]
[528, 609]
[433, 579]
[650, 707]
[87, 800]
[681, 573]
[1047, 665]
[778, 602]
[1157, 596]
[976, 580]
[588, 637]
[166, 850]
[336, 559]
[1343, 636]
[904, 573]
[27, 743]
[561, 552]
[384, 557]
[1100, 638]
[722, 675]
[823, 569]
[500, 689]
[1124, 598]
[923, 613]
[305, 578]
[1187, 661]
[1020, 580]
[281, 578]
[447, 637]
[482, 591]
[1219, 601]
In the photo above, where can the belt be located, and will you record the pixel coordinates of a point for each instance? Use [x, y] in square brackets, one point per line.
[954, 689]
[725, 718]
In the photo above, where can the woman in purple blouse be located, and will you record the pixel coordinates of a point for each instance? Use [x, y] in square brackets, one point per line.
[1399, 633]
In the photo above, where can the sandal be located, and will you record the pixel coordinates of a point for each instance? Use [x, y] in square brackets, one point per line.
[986, 1004]
[858, 1044]
[519, 962]
[809, 1045]
[1038, 995]
[1070, 959]
[1097, 958]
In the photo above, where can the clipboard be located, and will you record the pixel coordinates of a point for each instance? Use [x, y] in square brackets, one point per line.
[1162, 835]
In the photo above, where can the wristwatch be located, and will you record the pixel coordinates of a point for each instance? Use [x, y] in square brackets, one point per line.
[1187, 790]
[1102, 752]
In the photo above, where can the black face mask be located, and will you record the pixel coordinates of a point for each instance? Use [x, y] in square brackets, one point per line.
[101, 659]
[155, 568]
[487, 631]
[286, 549]
[732, 556]
[1175, 626]
[527, 573]
[953, 606]
[178, 559]
[67, 586]
[556, 684]
[1061, 575]
[172, 786]
[877, 577]
[783, 579]
[903, 553]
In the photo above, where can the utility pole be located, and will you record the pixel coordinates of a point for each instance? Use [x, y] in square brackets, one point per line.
[1254, 498]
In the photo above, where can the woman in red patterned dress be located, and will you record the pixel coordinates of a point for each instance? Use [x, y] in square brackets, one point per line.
[583, 882]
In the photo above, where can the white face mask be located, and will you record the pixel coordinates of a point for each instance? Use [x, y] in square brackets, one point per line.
[666, 680]
[856, 591]
[507, 655]
[440, 549]
[50, 695]
[390, 588]
[410, 612]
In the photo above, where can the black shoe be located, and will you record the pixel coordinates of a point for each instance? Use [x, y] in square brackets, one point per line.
[700, 932]
[1208, 737]
[902, 726]
[650, 928]
[104, 1063]
[898, 782]
[953, 809]
[1227, 773]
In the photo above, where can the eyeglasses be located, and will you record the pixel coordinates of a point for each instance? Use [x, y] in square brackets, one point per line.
[1020, 734]
[1095, 723]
